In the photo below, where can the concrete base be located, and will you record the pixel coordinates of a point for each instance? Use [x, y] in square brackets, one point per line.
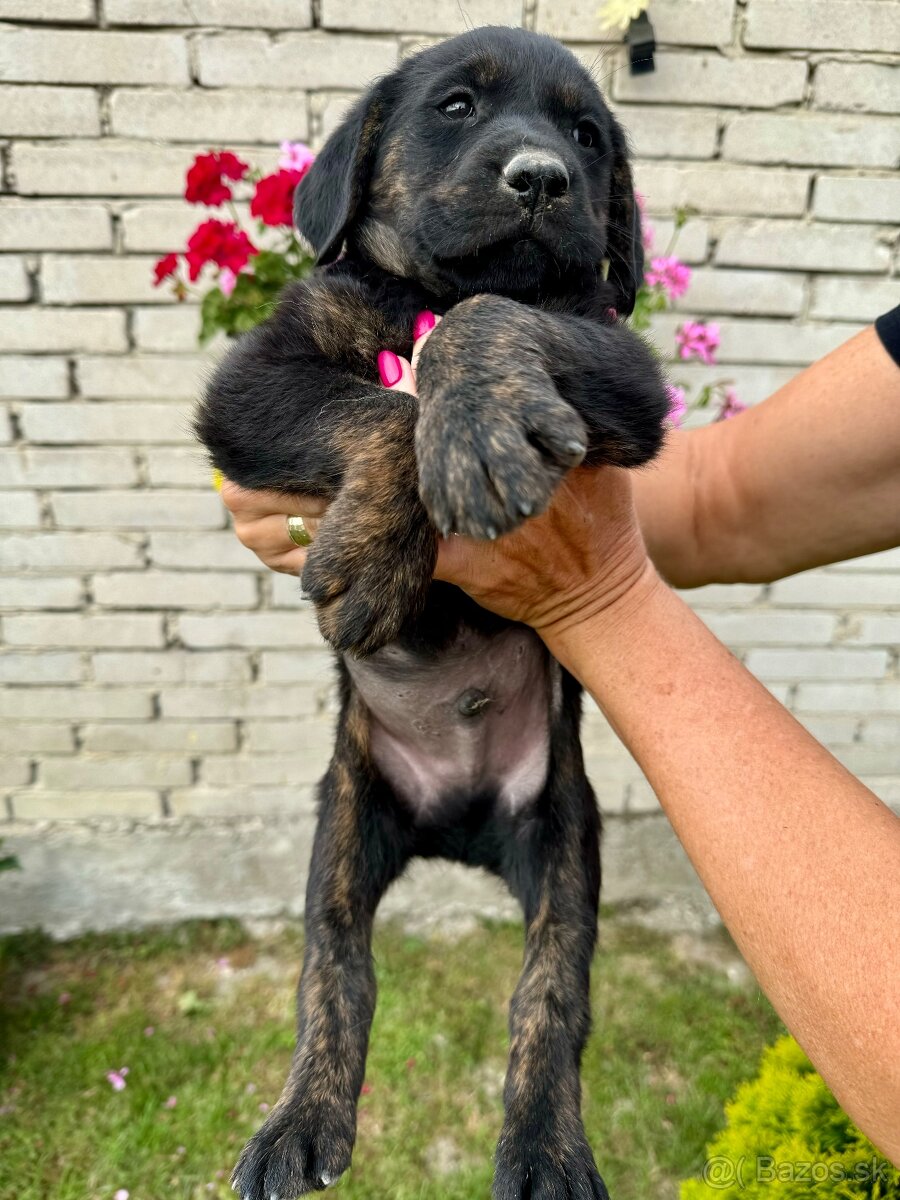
[113, 875]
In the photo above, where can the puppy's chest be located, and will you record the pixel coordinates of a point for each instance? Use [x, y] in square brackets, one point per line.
[471, 721]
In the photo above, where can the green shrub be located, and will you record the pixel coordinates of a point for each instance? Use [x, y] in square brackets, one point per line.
[786, 1138]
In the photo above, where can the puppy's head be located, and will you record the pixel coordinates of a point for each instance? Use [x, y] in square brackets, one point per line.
[487, 163]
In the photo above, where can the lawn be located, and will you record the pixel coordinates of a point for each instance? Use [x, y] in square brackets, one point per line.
[202, 1018]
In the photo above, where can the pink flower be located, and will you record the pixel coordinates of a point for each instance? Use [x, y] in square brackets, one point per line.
[696, 339]
[149, 1031]
[171, 1102]
[122, 1194]
[64, 997]
[672, 275]
[116, 1079]
[677, 404]
[263, 1107]
[295, 156]
[227, 281]
[730, 406]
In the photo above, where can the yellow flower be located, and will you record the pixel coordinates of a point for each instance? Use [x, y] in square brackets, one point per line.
[617, 14]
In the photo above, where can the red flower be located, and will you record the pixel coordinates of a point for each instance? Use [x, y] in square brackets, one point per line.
[164, 268]
[273, 200]
[220, 242]
[204, 179]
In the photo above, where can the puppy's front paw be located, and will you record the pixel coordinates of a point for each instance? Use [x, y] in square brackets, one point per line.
[546, 1168]
[491, 452]
[301, 1148]
[367, 574]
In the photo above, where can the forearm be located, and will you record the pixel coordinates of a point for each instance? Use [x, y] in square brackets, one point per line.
[807, 478]
[782, 836]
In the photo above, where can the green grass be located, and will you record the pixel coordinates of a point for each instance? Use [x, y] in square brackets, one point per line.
[673, 1037]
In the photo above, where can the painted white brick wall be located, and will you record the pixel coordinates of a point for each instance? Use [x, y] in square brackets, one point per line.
[150, 669]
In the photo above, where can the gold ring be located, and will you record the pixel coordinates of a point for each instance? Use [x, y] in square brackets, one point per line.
[297, 531]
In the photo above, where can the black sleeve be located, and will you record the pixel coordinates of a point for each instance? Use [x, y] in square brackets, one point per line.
[888, 329]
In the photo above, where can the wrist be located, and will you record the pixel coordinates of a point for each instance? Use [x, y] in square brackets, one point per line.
[605, 620]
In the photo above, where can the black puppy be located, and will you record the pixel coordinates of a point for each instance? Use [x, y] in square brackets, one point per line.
[485, 180]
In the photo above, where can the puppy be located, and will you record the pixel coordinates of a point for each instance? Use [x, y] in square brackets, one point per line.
[485, 180]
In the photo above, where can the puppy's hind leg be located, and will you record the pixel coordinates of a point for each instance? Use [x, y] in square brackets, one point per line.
[307, 1140]
[543, 1153]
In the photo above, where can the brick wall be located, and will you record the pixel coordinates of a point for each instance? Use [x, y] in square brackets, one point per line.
[166, 703]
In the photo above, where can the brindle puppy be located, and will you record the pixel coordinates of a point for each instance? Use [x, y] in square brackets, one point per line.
[486, 180]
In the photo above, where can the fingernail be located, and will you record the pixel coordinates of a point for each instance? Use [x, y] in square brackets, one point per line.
[423, 322]
[389, 368]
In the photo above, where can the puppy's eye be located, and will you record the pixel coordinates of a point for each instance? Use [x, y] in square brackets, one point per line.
[457, 107]
[586, 133]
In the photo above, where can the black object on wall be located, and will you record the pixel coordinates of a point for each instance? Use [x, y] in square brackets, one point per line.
[641, 42]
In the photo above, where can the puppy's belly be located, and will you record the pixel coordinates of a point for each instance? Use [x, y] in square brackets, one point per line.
[470, 720]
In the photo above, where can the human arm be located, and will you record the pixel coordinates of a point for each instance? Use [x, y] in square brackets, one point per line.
[808, 477]
[801, 860]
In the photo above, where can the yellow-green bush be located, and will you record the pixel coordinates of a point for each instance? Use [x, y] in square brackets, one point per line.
[786, 1138]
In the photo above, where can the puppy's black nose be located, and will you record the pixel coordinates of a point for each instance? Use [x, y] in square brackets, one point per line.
[534, 174]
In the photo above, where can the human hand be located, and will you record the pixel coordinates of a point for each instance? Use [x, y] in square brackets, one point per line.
[581, 557]
[260, 522]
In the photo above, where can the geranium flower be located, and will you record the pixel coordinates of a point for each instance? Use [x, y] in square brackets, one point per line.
[227, 281]
[672, 275]
[696, 339]
[219, 242]
[204, 178]
[273, 200]
[116, 1079]
[296, 156]
[731, 405]
[164, 268]
[677, 404]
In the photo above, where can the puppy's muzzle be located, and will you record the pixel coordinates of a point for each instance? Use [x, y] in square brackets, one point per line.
[535, 175]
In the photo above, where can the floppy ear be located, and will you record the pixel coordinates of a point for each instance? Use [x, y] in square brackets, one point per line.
[329, 195]
[625, 243]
